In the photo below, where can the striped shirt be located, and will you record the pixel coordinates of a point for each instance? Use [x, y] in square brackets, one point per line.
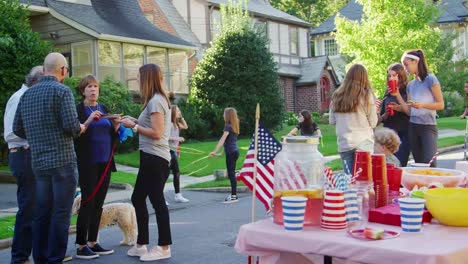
[47, 118]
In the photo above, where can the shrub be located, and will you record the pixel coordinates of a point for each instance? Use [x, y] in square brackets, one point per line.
[117, 98]
[454, 104]
[291, 119]
[238, 71]
[316, 117]
[197, 127]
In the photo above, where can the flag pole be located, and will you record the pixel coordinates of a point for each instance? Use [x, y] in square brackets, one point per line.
[254, 189]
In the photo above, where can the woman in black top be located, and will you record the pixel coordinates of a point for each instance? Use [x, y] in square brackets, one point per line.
[306, 126]
[399, 121]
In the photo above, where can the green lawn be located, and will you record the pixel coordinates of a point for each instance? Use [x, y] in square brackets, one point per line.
[214, 183]
[194, 159]
[7, 225]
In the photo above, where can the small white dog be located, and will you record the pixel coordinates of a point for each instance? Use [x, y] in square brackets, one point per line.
[122, 214]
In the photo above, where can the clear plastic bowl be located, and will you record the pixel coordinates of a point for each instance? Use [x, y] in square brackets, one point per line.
[409, 179]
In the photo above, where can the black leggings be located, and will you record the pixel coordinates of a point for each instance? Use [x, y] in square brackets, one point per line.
[150, 183]
[89, 215]
[423, 142]
[174, 166]
[231, 160]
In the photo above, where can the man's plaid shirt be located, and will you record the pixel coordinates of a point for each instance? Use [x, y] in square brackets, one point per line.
[47, 118]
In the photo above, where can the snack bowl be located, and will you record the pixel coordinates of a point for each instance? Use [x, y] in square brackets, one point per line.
[423, 177]
[448, 205]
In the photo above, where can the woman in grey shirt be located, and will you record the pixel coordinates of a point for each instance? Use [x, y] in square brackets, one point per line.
[424, 99]
[153, 125]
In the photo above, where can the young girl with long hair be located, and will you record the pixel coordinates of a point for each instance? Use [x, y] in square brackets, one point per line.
[306, 126]
[229, 141]
[353, 112]
[399, 121]
[177, 123]
[154, 127]
[424, 99]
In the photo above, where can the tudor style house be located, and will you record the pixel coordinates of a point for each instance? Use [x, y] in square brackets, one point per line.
[110, 38]
[302, 78]
[454, 18]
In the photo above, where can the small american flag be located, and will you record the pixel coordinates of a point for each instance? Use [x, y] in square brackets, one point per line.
[268, 147]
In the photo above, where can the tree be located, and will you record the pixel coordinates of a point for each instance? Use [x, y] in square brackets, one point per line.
[20, 49]
[313, 11]
[386, 30]
[238, 71]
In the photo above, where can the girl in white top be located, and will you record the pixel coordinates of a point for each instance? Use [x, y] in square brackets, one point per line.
[354, 113]
[177, 123]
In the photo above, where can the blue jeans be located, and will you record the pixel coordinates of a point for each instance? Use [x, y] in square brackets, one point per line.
[403, 152]
[20, 165]
[347, 159]
[55, 191]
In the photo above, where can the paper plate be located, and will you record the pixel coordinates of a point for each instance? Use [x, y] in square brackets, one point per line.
[359, 234]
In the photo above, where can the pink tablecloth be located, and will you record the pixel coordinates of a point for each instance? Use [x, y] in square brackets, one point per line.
[436, 244]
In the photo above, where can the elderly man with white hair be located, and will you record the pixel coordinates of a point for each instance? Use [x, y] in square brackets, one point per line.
[47, 118]
[19, 158]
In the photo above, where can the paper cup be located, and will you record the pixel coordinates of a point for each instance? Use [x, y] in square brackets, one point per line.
[351, 206]
[411, 210]
[293, 212]
[333, 212]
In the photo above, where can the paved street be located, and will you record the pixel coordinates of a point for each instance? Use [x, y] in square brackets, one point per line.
[203, 231]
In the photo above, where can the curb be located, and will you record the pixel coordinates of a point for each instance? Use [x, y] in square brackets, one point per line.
[240, 189]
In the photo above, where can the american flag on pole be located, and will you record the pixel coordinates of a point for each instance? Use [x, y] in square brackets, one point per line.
[268, 147]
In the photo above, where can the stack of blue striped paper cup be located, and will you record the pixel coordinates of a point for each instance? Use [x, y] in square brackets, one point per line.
[351, 206]
[293, 212]
[411, 210]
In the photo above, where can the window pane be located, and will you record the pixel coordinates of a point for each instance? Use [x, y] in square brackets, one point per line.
[109, 53]
[157, 56]
[293, 40]
[110, 60]
[82, 59]
[133, 60]
[331, 48]
[178, 67]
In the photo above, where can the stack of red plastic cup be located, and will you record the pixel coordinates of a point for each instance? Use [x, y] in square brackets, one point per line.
[393, 86]
[333, 213]
[362, 160]
[379, 176]
[394, 182]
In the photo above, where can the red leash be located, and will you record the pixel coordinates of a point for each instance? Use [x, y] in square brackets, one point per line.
[103, 176]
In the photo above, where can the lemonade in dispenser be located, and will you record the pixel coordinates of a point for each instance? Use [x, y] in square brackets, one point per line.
[299, 172]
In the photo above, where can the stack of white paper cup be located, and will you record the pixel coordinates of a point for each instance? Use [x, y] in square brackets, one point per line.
[293, 212]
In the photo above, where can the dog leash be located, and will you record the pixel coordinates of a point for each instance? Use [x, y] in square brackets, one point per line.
[103, 176]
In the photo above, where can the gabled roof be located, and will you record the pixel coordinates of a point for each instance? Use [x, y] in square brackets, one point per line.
[452, 11]
[264, 9]
[311, 69]
[351, 11]
[34, 2]
[118, 20]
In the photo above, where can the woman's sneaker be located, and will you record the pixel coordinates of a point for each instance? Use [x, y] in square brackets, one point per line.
[100, 250]
[137, 251]
[156, 253]
[85, 253]
[231, 199]
[180, 199]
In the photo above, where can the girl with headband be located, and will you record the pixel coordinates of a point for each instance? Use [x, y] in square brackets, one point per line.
[424, 99]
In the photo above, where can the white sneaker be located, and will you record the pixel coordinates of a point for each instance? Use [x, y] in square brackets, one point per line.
[231, 199]
[137, 251]
[180, 199]
[167, 204]
[156, 253]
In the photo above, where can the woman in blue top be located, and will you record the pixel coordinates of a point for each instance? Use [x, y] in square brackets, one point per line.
[424, 99]
[399, 121]
[229, 141]
[94, 151]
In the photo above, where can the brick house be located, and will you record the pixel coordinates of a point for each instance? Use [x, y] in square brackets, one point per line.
[196, 22]
[110, 38]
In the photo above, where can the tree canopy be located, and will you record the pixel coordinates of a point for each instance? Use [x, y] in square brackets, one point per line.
[386, 30]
